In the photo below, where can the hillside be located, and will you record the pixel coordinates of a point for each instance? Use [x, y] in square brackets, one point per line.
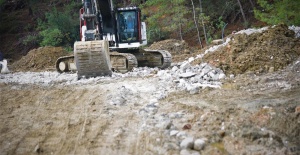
[19, 20]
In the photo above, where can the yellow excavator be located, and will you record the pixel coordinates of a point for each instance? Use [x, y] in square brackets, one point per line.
[111, 40]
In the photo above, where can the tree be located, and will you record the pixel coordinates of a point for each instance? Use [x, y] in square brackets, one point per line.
[196, 24]
[202, 21]
[31, 6]
[279, 11]
[60, 28]
[164, 18]
[1, 2]
[242, 11]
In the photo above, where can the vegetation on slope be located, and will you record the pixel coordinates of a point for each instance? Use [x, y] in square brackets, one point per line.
[33, 23]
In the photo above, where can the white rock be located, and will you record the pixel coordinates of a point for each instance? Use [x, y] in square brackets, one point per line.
[184, 66]
[153, 101]
[206, 77]
[193, 80]
[166, 124]
[206, 69]
[174, 69]
[171, 146]
[160, 73]
[182, 83]
[193, 89]
[177, 44]
[199, 144]
[189, 152]
[181, 135]
[173, 132]
[187, 143]
[191, 59]
[296, 30]
[222, 76]
[175, 115]
[187, 75]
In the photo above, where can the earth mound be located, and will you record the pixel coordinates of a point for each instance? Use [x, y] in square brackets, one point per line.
[269, 51]
[39, 59]
[180, 50]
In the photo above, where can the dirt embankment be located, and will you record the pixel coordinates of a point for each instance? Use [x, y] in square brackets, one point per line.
[180, 50]
[40, 59]
[269, 51]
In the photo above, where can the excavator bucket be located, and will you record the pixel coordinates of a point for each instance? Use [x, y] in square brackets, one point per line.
[92, 58]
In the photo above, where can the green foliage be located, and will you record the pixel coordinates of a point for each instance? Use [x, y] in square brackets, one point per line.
[52, 37]
[1, 2]
[279, 11]
[219, 8]
[164, 17]
[136, 2]
[220, 23]
[68, 48]
[60, 28]
[31, 40]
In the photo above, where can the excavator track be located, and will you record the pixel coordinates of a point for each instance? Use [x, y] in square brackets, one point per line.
[123, 62]
[92, 59]
[65, 64]
[153, 58]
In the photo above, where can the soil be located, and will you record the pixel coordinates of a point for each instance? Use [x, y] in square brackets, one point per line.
[269, 51]
[180, 50]
[257, 111]
[40, 59]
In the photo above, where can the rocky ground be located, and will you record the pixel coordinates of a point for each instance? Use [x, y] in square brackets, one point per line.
[211, 101]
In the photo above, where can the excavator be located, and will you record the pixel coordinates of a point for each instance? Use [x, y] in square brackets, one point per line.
[111, 40]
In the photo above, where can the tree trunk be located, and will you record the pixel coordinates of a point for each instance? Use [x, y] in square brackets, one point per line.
[252, 4]
[194, 14]
[242, 11]
[204, 30]
[180, 31]
[30, 12]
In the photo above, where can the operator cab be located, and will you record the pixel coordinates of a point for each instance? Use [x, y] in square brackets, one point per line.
[128, 26]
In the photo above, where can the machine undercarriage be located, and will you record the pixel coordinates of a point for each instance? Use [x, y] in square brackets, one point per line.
[122, 62]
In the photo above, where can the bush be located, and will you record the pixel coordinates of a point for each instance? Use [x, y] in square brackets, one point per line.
[31, 40]
[283, 11]
[60, 28]
[52, 37]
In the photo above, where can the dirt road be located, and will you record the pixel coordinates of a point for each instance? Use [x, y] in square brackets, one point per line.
[182, 110]
[131, 116]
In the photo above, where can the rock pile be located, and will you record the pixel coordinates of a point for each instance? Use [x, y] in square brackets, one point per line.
[192, 78]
